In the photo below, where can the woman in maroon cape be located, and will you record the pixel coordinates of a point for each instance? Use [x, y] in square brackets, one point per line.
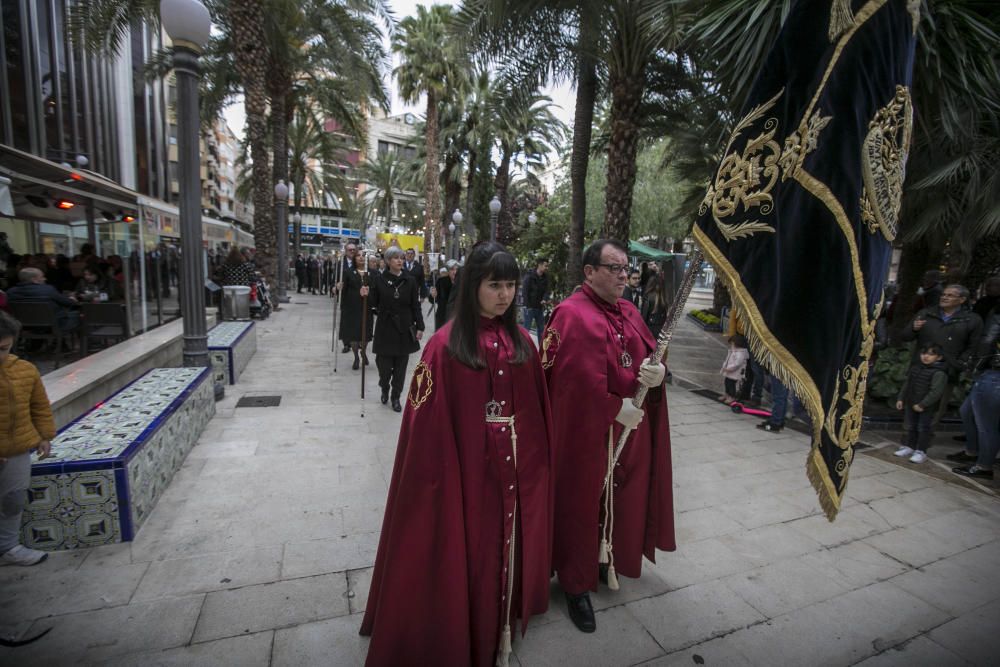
[465, 548]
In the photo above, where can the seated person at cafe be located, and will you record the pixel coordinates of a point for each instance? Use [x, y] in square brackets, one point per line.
[92, 287]
[32, 288]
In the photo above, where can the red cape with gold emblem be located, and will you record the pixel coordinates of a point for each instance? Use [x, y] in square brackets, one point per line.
[582, 357]
[437, 588]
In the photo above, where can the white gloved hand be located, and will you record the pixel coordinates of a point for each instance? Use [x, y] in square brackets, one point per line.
[629, 416]
[651, 373]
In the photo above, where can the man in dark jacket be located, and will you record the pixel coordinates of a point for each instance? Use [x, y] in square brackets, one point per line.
[399, 325]
[300, 273]
[32, 289]
[536, 289]
[949, 325]
[980, 409]
[415, 268]
[633, 290]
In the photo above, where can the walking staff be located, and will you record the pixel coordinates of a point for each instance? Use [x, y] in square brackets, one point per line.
[364, 331]
[336, 310]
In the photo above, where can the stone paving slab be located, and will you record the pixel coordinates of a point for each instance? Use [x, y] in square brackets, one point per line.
[260, 551]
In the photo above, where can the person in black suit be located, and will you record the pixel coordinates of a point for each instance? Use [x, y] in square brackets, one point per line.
[415, 268]
[633, 290]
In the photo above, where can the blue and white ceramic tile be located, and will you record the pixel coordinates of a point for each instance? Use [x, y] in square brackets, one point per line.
[70, 510]
[224, 334]
[229, 353]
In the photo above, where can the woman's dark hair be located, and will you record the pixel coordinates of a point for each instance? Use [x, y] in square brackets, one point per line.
[235, 257]
[487, 261]
[738, 340]
[9, 327]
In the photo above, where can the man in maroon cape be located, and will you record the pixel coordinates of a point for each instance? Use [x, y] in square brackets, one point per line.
[594, 353]
[462, 488]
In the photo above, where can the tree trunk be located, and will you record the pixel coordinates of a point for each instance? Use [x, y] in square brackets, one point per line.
[583, 120]
[470, 218]
[279, 166]
[452, 189]
[246, 19]
[431, 181]
[505, 230]
[626, 95]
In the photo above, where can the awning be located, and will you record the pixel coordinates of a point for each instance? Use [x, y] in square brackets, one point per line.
[38, 184]
[643, 251]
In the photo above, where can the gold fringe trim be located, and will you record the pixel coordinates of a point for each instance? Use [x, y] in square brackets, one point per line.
[841, 19]
[782, 364]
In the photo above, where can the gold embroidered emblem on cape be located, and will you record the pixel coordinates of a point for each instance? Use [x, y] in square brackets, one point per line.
[550, 346]
[421, 386]
[883, 164]
[745, 178]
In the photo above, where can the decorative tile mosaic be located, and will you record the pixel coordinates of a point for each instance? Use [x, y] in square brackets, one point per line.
[231, 345]
[110, 466]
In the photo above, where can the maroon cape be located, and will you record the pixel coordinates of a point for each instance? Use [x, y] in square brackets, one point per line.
[581, 354]
[438, 591]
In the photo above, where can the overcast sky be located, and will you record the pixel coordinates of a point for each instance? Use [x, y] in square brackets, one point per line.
[563, 96]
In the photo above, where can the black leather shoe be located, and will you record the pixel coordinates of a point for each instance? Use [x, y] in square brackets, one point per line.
[396, 406]
[974, 471]
[581, 612]
[962, 457]
[770, 427]
[345, 350]
[385, 396]
[356, 365]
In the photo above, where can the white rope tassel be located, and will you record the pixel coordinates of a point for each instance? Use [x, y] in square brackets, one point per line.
[503, 656]
[841, 19]
[609, 516]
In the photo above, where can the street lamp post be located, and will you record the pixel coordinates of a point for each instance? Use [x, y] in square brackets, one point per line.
[281, 215]
[188, 24]
[456, 224]
[494, 212]
[297, 243]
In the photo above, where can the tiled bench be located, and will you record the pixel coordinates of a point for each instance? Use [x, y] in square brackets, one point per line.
[230, 347]
[110, 466]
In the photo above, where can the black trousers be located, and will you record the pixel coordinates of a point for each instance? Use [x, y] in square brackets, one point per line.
[392, 372]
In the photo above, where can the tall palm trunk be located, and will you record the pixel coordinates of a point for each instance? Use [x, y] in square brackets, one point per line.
[470, 217]
[279, 166]
[583, 121]
[626, 95]
[505, 230]
[432, 182]
[246, 19]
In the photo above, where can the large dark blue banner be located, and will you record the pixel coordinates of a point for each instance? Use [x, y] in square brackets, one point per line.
[800, 218]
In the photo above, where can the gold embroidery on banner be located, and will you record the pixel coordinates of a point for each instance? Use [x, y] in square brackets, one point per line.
[867, 212]
[800, 143]
[745, 179]
[550, 345]
[841, 19]
[883, 163]
[421, 386]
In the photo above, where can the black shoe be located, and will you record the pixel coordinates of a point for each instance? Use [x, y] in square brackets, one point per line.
[345, 350]
[770, 427]
[396, 406]
[385, 396]
[356, 365]
[962, 457]
[974, 471]
[581, 612]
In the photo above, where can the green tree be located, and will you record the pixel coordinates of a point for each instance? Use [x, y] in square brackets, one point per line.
[429, 67]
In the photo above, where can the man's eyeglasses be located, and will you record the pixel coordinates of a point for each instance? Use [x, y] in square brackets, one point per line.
[615, 268]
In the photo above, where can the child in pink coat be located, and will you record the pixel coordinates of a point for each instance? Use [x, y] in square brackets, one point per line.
[735, 364]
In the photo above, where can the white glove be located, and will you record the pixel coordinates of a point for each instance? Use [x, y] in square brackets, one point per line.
[629, 416]
[651, 373]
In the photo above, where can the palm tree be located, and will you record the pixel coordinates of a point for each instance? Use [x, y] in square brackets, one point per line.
[526, 132]
[540, 40]
[387, 176]
[429, 67]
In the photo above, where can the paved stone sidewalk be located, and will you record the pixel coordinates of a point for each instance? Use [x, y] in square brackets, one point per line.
[260, 552]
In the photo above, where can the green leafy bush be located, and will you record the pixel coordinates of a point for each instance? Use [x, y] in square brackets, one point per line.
[889, 372]
[706, 318]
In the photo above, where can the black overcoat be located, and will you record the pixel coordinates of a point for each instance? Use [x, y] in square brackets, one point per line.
[396, 301]
[350, 309]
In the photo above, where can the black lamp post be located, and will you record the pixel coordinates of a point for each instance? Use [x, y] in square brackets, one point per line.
[188, 24]
[494, 212]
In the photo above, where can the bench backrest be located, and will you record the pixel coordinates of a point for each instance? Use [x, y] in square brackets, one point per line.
[103, 314]
[34, 313]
